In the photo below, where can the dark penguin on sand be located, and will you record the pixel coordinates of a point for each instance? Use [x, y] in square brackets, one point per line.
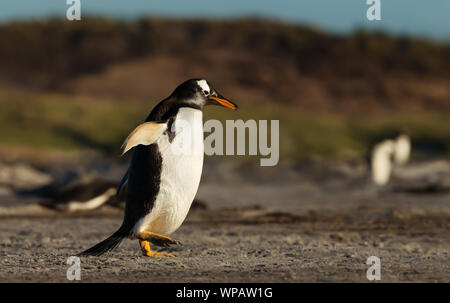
[74, 193]
[83, 195]
[165, 169]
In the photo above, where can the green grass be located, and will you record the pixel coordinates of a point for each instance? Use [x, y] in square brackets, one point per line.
[305, 135]
[59, 122]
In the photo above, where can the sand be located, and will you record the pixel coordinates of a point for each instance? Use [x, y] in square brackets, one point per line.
[301, 228]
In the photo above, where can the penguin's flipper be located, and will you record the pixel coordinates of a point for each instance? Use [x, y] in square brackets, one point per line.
[146, 133]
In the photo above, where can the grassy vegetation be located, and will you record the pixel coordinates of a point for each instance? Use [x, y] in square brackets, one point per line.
[59, 122]
[378, 76]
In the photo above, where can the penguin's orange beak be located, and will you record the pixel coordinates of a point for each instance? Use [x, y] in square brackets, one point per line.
[219, 100]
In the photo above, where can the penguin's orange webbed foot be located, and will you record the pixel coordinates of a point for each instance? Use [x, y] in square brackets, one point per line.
[146, 251]
[162, 255]
[158, 239]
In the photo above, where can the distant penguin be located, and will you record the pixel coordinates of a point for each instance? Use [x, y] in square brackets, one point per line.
[392, 149]
[402, 149]
[381, 161]
[80, 194]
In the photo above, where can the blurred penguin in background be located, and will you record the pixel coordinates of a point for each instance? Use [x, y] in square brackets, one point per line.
[381, 161]
[402, 148]
[385, 153]
[78, 193]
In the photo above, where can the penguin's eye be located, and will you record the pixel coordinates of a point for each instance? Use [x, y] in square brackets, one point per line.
[206, 92]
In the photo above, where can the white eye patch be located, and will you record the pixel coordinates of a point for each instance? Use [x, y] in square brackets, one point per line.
[204, 85]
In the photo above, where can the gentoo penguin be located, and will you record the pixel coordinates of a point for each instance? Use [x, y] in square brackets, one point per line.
[393, 149]
[402, 148]
[165, 169]
[77, 193]
[86, 193]
[381, 161]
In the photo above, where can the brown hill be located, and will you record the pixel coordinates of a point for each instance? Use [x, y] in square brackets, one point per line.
[250, 60]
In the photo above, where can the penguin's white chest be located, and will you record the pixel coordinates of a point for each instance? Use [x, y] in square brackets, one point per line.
[181, 170]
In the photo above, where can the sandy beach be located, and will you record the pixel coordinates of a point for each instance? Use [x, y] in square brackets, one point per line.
[303, 228]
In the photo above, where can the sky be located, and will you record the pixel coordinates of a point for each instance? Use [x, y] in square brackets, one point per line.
[430, 19]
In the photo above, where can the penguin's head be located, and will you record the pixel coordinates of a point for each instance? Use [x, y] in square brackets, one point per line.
[198, 93]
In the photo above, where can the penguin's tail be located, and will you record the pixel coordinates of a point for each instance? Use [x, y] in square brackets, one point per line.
[106, 245]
